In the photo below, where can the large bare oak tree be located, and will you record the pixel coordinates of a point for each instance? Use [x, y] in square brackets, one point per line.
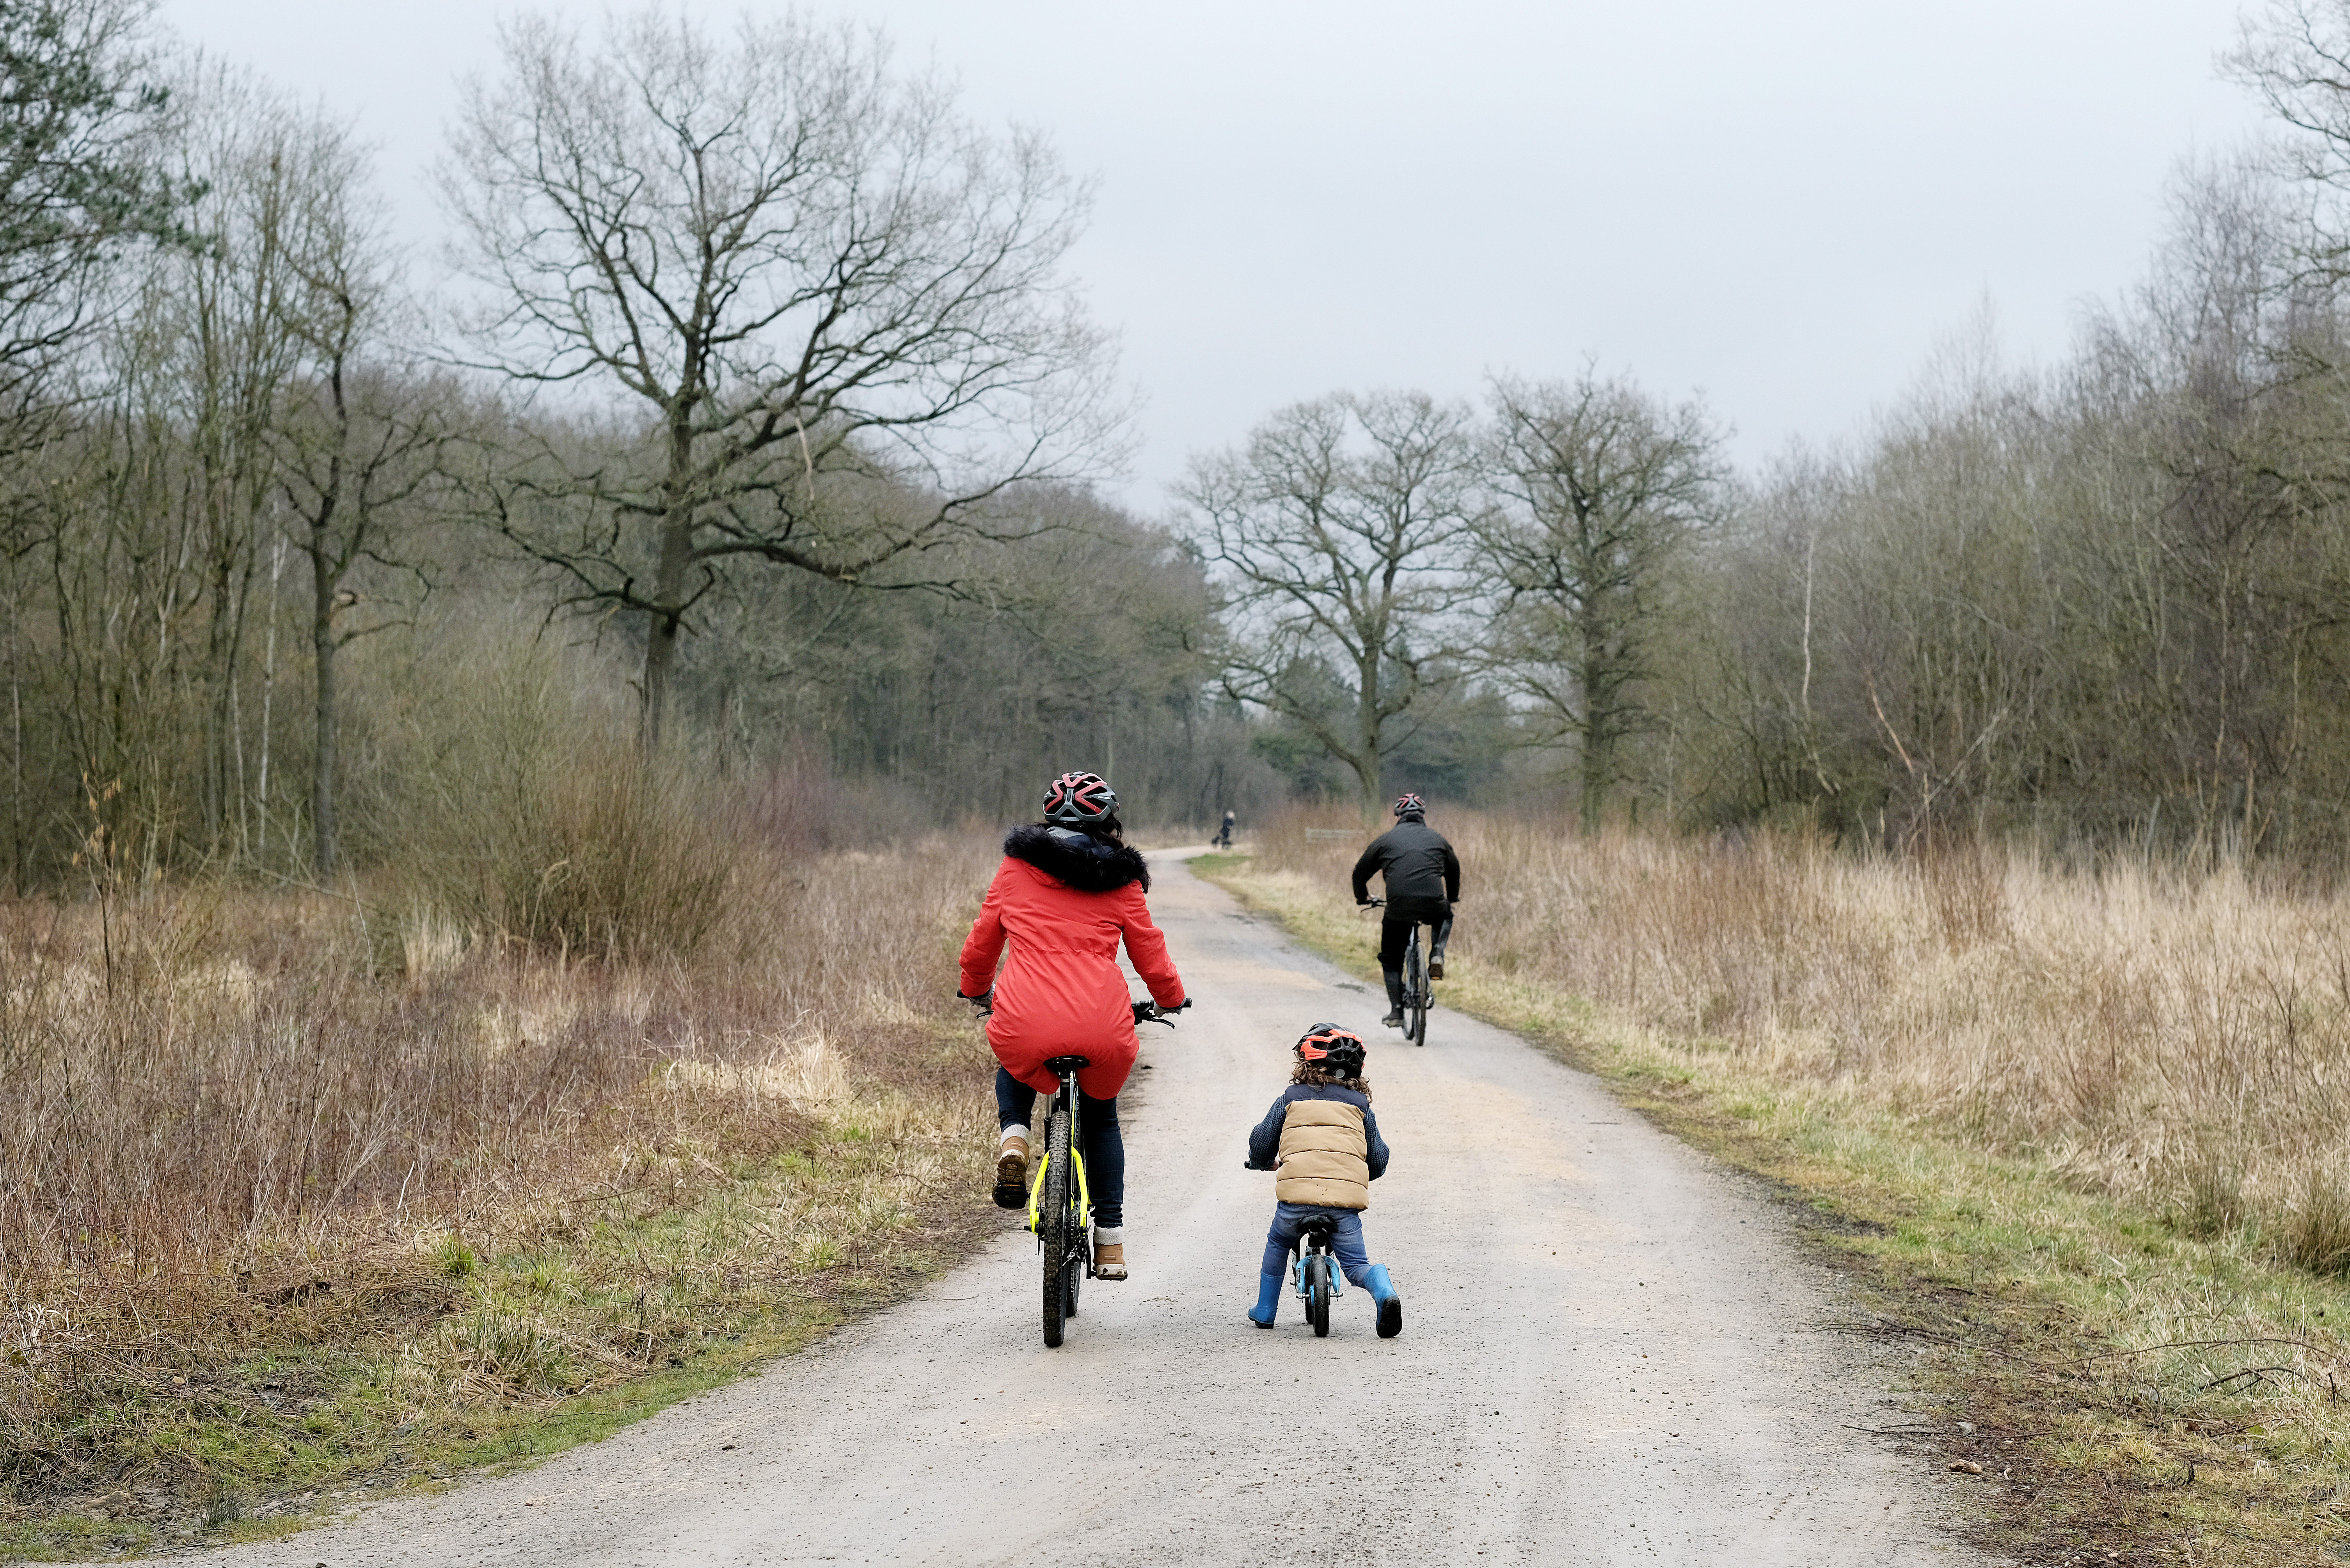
[831, 309]
[1339, 529]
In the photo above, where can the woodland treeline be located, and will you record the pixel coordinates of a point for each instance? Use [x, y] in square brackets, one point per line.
[753, 422]
[752, 426]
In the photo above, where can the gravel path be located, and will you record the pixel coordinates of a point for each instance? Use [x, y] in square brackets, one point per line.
[1612, 1353]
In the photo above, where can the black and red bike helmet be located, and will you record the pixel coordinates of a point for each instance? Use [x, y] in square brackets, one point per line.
[1411, 806]
[1336, 1051]
[1080, 800]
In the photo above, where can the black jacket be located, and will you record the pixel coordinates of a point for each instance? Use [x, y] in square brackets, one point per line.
[1417, 861]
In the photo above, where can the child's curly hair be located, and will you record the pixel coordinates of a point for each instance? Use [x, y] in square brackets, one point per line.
[1315, 1072]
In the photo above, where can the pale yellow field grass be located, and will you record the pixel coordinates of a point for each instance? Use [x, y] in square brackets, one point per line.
[2178, 1038]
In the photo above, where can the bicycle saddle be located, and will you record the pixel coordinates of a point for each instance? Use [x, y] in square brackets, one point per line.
[1320, 1226]
[1057, 1065]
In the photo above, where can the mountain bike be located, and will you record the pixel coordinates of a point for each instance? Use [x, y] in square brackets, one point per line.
[1419, 990]
[1060, 1208]
[1317, 1274]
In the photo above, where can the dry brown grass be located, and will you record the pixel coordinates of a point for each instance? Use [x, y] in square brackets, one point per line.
[279, 1167]
[2179, 1038]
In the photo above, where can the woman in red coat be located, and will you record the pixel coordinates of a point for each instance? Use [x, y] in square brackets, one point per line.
[1069, 891]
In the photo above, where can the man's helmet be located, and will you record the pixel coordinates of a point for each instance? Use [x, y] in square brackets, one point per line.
[1411, 806]
[1339, 1052]
[1079, 799]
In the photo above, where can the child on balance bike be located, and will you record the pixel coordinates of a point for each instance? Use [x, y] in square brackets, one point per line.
[1323, 1144]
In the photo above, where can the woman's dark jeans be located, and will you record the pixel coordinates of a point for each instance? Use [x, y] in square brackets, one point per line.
[1104, 1145]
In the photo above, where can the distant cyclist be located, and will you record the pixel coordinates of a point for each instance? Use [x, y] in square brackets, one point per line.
[1423, 883]
[1069, 890]
[1224, 839]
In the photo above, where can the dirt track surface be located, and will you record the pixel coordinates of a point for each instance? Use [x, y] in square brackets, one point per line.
[1612, 1354]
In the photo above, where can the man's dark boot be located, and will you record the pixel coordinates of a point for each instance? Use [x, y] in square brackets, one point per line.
[1436, 947]
[1394, 1019]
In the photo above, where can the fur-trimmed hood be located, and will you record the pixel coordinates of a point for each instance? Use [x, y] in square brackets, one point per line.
[1084, 862]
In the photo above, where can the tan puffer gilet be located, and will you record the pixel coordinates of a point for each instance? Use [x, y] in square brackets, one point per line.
[1325, 1159]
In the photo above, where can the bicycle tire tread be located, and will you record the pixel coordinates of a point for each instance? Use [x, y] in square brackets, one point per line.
[1053, 1228]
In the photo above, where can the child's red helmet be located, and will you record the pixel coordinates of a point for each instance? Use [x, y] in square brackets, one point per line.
[1336, 1051]
[1076, 799]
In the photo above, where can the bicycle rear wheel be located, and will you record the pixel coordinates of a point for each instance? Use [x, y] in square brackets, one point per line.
[1053, 1226]
[1317, 1293]
[1415, 993]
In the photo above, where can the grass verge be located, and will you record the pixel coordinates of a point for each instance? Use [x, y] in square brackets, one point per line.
[2135, 1382]
[283, 1227]
[474, 1351]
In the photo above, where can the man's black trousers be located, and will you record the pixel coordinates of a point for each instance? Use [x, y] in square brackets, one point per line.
[1397, 920]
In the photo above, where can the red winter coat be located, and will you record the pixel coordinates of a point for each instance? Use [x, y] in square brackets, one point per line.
[1064, 900]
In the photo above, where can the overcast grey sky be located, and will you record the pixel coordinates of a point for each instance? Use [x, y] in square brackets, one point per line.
[1784, 204]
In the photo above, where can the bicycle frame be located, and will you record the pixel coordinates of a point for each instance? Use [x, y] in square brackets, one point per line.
[1074, 1228]
[1064, 1099]
[1320, 1248]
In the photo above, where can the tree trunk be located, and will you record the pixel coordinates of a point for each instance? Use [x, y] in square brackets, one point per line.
[667, 628]
[1594, 784]
[1594, 758]
[322, 652]
[668, 623]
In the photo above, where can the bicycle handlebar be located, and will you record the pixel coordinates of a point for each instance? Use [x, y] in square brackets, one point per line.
[1145, 1011]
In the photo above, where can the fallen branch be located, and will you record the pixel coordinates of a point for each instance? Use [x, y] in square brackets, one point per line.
[1899, 1431]
[2255, 1374]
[2197, 1344]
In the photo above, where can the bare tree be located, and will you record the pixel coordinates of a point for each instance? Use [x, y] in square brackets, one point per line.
[203, 355]
[835, 309]
[360, 435]
[2295, 54]
[1341, 529]
[1601, 488]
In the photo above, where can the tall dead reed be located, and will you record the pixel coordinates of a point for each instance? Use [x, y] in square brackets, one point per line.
[2179, 1036]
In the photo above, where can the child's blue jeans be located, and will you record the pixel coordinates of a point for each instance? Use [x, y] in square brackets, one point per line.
[1345, 1240]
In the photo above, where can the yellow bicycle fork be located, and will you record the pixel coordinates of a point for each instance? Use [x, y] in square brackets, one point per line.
[1037, 1187]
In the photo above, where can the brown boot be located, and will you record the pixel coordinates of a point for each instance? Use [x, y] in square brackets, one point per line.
[1109, 1259]
[1011, 1173]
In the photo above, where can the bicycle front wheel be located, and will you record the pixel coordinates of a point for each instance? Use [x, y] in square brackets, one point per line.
[1318, 1294]
[1053, 1226]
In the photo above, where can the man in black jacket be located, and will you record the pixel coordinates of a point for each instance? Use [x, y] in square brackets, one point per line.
[1423, 883]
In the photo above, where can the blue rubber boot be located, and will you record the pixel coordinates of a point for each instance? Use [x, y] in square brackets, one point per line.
[1268, 1300]
[1383, 1291]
